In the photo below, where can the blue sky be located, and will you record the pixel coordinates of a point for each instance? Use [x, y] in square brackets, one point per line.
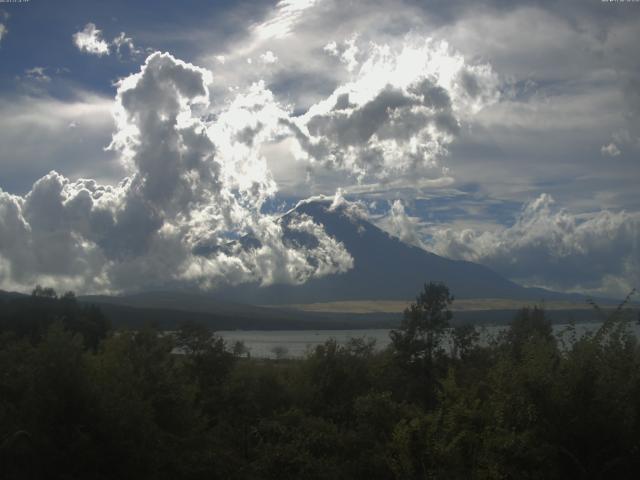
[499, 132]
[39, 34]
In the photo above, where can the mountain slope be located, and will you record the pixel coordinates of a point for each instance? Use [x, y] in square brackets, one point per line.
[384, 268]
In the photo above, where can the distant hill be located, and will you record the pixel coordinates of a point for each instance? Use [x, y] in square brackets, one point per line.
[167, 310]
[385, 268]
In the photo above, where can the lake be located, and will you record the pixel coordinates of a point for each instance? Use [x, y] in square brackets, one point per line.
[296, 343]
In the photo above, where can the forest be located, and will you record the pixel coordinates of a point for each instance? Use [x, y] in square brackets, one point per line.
[81, 400]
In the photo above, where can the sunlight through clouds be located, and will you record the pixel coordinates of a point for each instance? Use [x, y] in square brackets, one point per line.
[399, 113]
[450, 116]
[178, 214]
[281, 24]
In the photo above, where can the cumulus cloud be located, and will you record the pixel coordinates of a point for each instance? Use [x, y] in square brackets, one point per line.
[272, 254]
[350, 83]
[268, 57]
[554, 248]
[610, 150]
[386, 128]
[124, 46]
[89, 40]
[37, 74]
[346, 52]
[374, 112]
[399, 224]
[553, 116]
[398, 115]
[183, 213]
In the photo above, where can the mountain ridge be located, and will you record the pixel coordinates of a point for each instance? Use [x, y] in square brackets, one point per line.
[384, 268]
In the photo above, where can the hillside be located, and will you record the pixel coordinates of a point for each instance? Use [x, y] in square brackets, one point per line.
[385, 268]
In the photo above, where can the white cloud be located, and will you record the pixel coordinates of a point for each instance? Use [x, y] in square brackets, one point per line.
[332, 49]
[387, 127]
[3, 28]
[89, 40]
[548, 128]
[610, 150]
[268, 57]
[37, 74]
[346, 52]
[597, 252]
[174, 218]
[282, 22]
[399, 224]
[124, 45]
[552, 118]
[399, 113]
[594, 253]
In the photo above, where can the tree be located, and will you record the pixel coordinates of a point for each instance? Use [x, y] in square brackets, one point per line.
[206, 361]
[240, 349]
[280, 352]
[417, 344]
[420, 334]
[147, 418]
[529, 325]
[30, 317]
[463, 338]
[337, 375]
[44, 292]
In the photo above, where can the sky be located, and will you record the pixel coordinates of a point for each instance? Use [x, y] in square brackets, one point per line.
[140, 137]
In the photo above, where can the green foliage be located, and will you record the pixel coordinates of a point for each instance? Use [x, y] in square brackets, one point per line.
[464, 338]
[336, 375]
[31, 317]
[529, 326]
[420, 335]
[438, 403]
[418, 343]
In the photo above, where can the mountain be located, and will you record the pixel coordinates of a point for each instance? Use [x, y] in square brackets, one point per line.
[384, 268]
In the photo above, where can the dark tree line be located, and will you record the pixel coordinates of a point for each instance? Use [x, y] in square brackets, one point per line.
[78, 400]
[31, 316]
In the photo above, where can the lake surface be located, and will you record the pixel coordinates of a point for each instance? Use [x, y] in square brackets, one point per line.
[296, 343]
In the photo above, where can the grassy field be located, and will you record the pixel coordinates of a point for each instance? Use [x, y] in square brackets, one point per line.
[395, 306]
